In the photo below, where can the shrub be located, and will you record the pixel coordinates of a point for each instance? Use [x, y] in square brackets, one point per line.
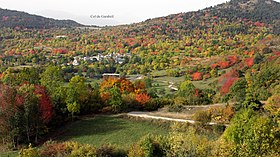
[29, 152]
[67, 149]
[53, 149]
[142, 98]
[188, 144]
[129, 101]
[273, 106]
[252, 134]
[110, 151]
[153, 104]
[180, 127]
[146, 147]
[178, 105]
[136, 150]
[202, 117]
[222, 114]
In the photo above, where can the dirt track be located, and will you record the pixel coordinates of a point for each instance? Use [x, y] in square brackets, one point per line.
[145, 115]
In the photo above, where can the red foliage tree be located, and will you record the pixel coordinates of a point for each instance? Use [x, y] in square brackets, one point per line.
[45, 104]
[224, 64]
[249, 62]
[214, 66]
[226, 86]
[197, 76]
[231, 74]
[233, 60]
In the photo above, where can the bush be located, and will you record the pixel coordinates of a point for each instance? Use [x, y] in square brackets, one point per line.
[176, 108]
[53, 149]
[188, 144]
[155, 104]
[67, 149]
[136, 150]
[180, 127]
[74, 149]
[29, 152]
[202, 117]
[110, 151]
[252, 134]
[129, 101]
[146, 147]
[222, 114]
[218, 128]
[273, 106]
[178, 105]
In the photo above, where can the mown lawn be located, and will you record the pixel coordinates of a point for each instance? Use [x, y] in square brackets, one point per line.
[109, 129]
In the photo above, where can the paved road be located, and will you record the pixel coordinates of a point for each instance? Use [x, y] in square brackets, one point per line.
[145, 115]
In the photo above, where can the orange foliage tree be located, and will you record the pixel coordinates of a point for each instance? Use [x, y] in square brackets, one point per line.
[142, 98]
[125, 85]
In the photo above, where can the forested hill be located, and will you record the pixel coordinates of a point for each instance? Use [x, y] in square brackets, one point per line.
[13, 19]
[230, 17]
[266, 11]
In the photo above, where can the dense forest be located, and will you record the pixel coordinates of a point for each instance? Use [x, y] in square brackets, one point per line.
[223, 60]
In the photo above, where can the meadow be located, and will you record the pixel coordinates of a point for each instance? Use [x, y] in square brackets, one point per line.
[102, 130]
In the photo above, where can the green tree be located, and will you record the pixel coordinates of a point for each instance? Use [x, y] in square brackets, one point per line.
[77, 94]
[238, 90]
[252, 135]
[115, 100]
[29, 110]
[52, 79]
[186, 89]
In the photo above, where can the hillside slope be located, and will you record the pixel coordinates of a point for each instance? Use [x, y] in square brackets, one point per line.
[12, 19]
[266, 11]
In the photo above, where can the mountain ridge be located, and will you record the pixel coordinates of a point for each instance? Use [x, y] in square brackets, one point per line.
[13, 19]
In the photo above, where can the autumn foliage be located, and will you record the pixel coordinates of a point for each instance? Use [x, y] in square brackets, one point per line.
[142, 98]
[224, 64]
[126, 87]
[249, 62]
[197, 76]
[227, 80]
[45, 104]
[226, 86]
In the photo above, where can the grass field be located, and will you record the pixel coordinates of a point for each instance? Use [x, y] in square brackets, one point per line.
[108, 129]
[8, 154]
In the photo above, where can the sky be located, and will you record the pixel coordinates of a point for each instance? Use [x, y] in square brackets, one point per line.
[107, 12]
